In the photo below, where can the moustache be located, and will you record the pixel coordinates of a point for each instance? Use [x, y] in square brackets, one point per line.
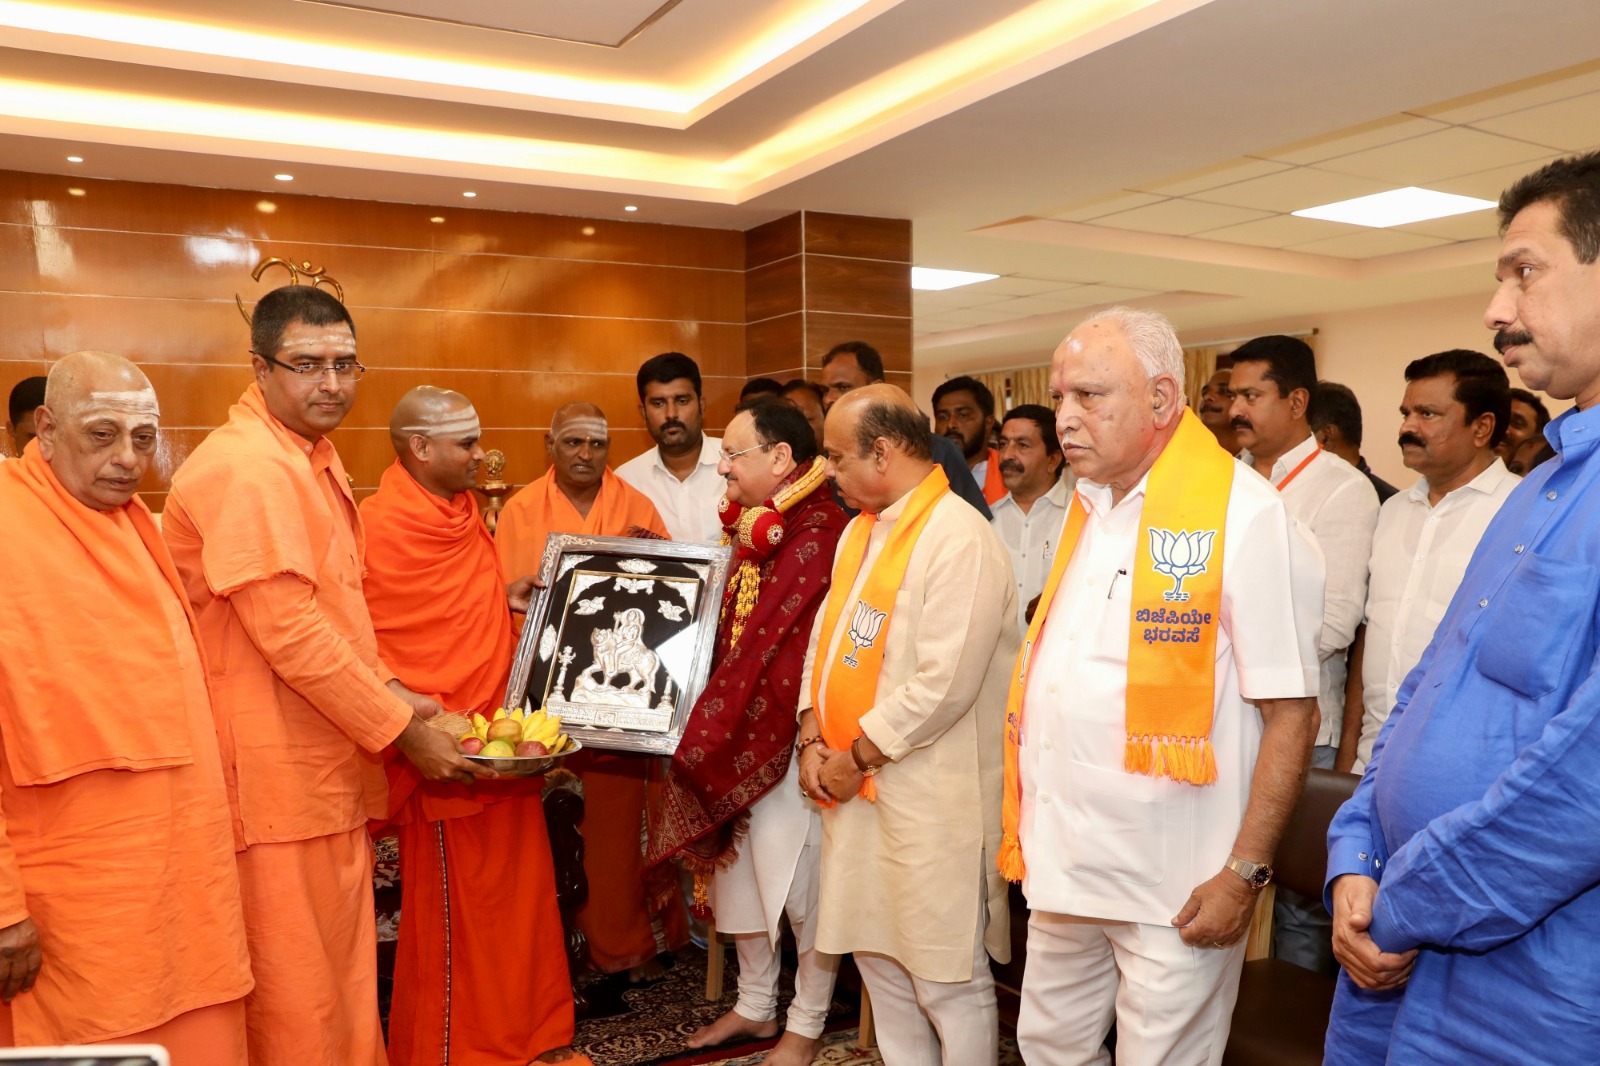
[1010, 466]
[1504, 340]
[1411, 439]
[672, 423]
[1241, 422]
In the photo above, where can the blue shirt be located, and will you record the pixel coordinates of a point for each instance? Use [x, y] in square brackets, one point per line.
[1480, 813]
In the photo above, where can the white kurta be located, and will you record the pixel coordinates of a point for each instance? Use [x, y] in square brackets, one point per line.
[749, 896]
[1338, 504]
[1419, 555]
[1098, 841]
[901, 876]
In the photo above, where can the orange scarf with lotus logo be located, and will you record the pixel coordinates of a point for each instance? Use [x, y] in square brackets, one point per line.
[853, 675]
[1172, 638]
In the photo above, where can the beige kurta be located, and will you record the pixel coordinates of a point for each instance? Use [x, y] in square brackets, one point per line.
[902, 876]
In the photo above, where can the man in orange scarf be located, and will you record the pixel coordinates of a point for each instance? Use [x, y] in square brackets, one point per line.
[265, 533]
[733, 814]
[580, 494]
[120, 919]
[963, 410]
[475, 859]
[1161, 713]
[900, 722]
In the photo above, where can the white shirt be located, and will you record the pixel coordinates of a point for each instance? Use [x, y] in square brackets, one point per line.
[980, 473]
[1419, 555]
[1031, 538]
[1100, 842]
[1338, 504]
[688, 507]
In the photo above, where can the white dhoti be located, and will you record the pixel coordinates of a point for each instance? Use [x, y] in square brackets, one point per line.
[1173, 1003]
[775, 873]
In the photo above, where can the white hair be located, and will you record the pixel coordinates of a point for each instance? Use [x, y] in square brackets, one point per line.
[1152, 338]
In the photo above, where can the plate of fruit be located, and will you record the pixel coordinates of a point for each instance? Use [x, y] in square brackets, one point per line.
[517, 743]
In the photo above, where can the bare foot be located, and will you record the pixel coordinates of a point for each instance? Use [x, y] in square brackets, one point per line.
[729, 1026]
[561, 1054]
[793, 1050]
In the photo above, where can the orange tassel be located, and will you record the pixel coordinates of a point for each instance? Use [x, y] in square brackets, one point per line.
[1010, 858]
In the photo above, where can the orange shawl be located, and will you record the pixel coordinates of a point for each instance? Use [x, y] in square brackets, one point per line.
[86, 641]
[542, 508]
[438, 607]
[993, 486]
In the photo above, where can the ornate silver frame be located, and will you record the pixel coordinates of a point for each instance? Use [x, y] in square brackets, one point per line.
[593, 709]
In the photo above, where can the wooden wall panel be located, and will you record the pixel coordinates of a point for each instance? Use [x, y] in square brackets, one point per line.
[521, 312]
[815, 280]
[858, 236]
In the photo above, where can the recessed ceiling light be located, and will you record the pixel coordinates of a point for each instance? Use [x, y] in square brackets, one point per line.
[933, 280]
[469, 195]
[75, 192]
[74, 158]
[631, 207]
[436, 218]
[588, 231]
[1396, 207]
[266, 207]
[283, 177]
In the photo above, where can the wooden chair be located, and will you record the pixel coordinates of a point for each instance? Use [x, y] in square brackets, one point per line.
[1281, 1016]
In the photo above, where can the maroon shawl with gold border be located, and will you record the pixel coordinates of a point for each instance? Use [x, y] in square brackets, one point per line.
[740, 735]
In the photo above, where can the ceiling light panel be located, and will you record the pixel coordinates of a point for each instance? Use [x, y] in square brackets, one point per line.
[931, 279]
[1396, 208]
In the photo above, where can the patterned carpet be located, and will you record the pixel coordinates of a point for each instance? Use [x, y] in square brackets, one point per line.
[656, 1018]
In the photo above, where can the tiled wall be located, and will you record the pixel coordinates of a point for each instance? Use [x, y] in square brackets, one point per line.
[520, 312]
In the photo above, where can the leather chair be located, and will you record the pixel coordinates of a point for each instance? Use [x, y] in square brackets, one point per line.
[1281, 1017]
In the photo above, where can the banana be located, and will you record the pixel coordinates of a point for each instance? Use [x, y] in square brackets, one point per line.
[501, 713]
[480, 726]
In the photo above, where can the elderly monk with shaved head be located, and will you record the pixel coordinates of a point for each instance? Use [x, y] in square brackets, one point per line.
[265, 533]
[901, 707]
[120, 918]
[580, 494]
[439, 607]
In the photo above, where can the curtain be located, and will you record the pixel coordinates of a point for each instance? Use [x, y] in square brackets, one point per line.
[1012, 388]
[1198, 366]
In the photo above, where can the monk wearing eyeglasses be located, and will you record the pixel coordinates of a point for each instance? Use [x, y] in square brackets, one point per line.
[266, 536]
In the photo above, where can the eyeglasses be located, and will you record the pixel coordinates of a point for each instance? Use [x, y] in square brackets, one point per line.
[731, 456]
[348, 371]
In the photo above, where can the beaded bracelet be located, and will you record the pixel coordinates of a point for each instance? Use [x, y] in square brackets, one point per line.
[806, 743]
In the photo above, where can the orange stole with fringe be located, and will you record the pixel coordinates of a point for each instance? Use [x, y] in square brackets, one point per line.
[1172, 638]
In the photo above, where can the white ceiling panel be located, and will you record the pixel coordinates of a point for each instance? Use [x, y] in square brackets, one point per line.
[1489, 184]
[1572, 124]
[1212, 177]
[1180, 217]
[1371, 135]
[610, 23]
[1291, 190]
[1105, 205]
[1474, 225]
[1278, 231]
[1544, 90]
[1449, 153]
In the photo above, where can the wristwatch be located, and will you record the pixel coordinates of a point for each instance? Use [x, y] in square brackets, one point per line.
[1255, 874]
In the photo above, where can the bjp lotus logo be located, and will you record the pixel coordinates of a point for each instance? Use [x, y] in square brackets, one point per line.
[864, 627]
[1180, 555]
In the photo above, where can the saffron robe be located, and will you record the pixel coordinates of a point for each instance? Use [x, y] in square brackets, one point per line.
[475, 860]
[116, 838]
[265, 534]
[617, 919]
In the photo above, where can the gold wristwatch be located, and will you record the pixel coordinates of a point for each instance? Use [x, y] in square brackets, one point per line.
[1255, 874]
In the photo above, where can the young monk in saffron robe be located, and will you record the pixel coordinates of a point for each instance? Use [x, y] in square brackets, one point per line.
[581, 495]
[265, 533]
[480, 928]
[120, 919]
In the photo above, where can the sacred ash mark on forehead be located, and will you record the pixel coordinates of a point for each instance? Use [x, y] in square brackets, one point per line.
[460, 423]
[129, 408]
[586, 426]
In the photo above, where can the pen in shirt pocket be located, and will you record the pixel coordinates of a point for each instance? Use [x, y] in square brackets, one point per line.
[1113, 586]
